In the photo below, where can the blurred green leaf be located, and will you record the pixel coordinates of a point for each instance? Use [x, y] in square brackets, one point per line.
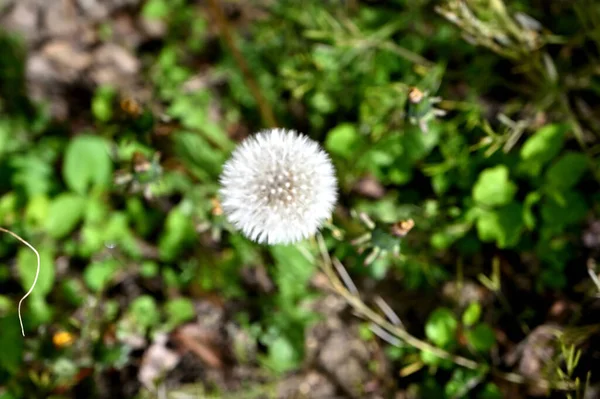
[441, 327]
[102, 103]
[471, 314]
[490, 391]
[567, 170]
[417, 144]
[144, 311]
[430, 358]
[343, 140]
[493, 187]
[117, 233]
[458, 380]
[6, 305]
[155, 9]
[293, 271]
[282, 356]
[565, 209]
[322, 102]
[33, 173]
[73, 291]
[65, 212]
[199, 155]
[149, 269]
[481, 337]
[37, 210]
[179, 310]
[529, 218]
[11, 343]
[40, 312]
[178, 232]
[541, 147]
[27, 263]
[98, 274]
[503, 225]
[87, 163]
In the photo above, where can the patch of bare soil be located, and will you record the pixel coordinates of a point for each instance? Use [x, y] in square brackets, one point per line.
[76, 45]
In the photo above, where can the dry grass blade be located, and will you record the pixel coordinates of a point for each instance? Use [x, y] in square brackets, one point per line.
[345, 276]
[37, 274]
[389, 312]
[401, 334]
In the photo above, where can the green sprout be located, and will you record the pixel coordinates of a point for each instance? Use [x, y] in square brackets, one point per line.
[382, 238]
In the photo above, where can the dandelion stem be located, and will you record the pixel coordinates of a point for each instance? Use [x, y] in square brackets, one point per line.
[37, 274]
[265, 110]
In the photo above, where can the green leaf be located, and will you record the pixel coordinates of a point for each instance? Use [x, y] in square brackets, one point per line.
[7, 395]
[73, 291]
[493, 187]
[98, 274]
[40, 312]
[323, 103]
[117, 232]
[441, 327]
[541, 147]
[490, 391]
[6, 305]
[564, 209]
[293, 271]
[417, 145]
[198, 154]
[343, 140]
[430, 358]
[179, 310]
[503, 225]
[27, 263]
[155, 9]
[530, 200]
[102, 103]
[567, 170]
[459, 379]
[65, 212]
[471, 314]
[11, 343]
[177, 234]
[282, 356]
[33, 173]
[149, 269]
[481, 338]
[87, 163]
[37, 210]
[193, 112]
[144, 311]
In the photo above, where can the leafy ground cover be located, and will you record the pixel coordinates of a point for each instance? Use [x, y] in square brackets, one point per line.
[464, 133]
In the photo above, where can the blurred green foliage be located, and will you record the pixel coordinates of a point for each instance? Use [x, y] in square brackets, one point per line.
[477, 140]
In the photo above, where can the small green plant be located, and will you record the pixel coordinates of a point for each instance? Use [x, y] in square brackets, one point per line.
[472, 124]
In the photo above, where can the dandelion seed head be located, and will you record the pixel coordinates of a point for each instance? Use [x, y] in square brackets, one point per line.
[278, 187]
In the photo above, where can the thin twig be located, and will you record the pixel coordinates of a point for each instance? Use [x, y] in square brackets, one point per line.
[263, 105]
[37, 274]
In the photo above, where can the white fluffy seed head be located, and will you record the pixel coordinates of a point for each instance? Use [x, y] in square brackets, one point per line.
[278, 187]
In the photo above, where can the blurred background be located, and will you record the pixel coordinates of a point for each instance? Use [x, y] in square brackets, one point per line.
[476, 120]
